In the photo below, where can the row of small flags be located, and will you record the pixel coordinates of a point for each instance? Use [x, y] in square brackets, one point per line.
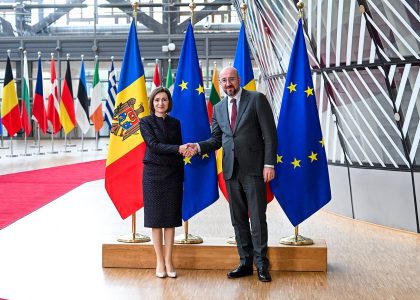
[59, 113]
[68, 112]
[301, 185]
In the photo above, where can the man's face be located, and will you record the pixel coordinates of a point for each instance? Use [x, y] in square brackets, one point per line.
[230, 81]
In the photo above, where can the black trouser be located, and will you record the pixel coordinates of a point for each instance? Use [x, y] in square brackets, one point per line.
[248, 194]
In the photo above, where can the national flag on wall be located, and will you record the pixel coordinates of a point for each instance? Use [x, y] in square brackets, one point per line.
[156, 77]
[189, 106]
[302, 184]
[26, 100]
[96, 101]
[39, 113]
[82, 102]
[169, 78]
[9, 106]
[214, 97]
[124, 167]
[112, 95]
[67, 114]
[53, 102]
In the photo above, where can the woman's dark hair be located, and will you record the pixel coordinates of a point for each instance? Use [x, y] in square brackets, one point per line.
[157, 91]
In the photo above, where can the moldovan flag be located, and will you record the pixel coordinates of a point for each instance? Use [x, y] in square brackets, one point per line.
[9, 106]
[67, 114]
[26, 101]
[124, 167]
[53, 102]
[156, 77]
[39, 113]
[95, 101]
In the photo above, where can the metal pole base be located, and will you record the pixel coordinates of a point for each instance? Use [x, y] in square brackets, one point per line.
[83, 150]
[40, 153]
[96, 149]
[71, 145]
[66, 151]
[5, 147]
[231, 240]
[187, 239]
[26, 154]
[133, 238]
[296, 240]
[12, 155]
[35, 146]
[52, 152]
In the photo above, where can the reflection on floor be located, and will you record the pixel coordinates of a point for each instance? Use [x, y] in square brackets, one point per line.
[55, 252]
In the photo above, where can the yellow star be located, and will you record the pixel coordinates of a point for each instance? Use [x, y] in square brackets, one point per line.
[279, 159]
[187, 160]
[183, 85]
[313, 156]
[322, 143]
[204, 156]
[292, 87]
[309, 91]
[295, 163]
[200, 89]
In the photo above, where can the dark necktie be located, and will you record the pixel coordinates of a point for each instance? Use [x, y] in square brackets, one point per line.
[233, 114]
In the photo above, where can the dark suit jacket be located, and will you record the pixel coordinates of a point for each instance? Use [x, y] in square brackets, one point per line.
[162, 137]
[254, 141]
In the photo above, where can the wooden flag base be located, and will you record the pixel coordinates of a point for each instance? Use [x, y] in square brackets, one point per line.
[215, 254]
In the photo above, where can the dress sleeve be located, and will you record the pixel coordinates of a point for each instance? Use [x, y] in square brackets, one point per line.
[152, 142]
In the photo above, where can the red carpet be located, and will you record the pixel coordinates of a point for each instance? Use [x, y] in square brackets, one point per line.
[24, 192]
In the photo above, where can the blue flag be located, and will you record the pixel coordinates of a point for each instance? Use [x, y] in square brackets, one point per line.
[242, 62]
[302, 184]
[189, 107]
[112, 95]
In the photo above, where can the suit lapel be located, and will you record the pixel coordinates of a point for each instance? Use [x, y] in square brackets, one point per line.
[242, 107]
[226, 112]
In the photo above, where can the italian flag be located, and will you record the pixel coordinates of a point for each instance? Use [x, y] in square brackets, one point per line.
[169, 79]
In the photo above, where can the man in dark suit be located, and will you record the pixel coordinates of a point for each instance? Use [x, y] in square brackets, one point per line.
[243, 124]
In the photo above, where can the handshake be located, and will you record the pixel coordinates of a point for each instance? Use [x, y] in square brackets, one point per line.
[188, 150]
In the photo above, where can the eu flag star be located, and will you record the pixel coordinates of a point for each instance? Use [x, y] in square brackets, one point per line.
[313, 156]
[187, 160]
[183, 85]
[292, 87]
[295, 163]
[279, 159]
[309, 91]
[204, 156]
[322, 143]
[200, 89]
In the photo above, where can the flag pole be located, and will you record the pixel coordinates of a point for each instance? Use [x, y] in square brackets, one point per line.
[134, 237]
[187, 238]
[38, 144]
[296, 239]
[232, 240]
[97, 132]
[53, 121]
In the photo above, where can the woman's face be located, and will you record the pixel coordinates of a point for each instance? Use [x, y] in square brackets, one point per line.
[160, 103]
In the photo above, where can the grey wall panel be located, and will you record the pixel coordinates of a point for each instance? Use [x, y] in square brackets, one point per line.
[383, 197]
[417, 186]
[340, 191]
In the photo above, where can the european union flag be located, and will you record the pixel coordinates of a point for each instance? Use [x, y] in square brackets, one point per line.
[302, 184]
[189, 106]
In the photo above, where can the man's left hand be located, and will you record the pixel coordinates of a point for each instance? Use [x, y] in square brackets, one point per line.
[268, 174]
